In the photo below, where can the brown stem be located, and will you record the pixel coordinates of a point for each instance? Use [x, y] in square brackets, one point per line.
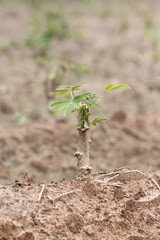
[83, 150]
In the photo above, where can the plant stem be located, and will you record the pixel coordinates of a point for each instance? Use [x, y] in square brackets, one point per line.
[83, 149]
[101, 97]
[72, 93]
[98, 100]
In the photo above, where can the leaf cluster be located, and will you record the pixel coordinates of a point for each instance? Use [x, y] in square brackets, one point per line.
[82, 103]
[75, 103]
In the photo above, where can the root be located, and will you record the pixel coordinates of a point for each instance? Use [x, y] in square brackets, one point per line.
[114, 172]
[134, 204]
[62, 195]
[155, 183]
[41, 193]
[128, 176]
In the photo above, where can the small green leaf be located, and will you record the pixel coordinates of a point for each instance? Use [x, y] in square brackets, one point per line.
[124, 86]
[81, 68]
[94, 105]
[88, 105]
[60, 102]
[63, 92]
[75, 88]
[67, 110]
[82, 96]
[81, 84]
[98, 120]
[112, 87]
[63, 87]
[76, 105]
[58, 110]
[109, 87]
[23, 225]
[92, 96]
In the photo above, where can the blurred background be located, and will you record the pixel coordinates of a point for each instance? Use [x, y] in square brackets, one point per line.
[44, 44]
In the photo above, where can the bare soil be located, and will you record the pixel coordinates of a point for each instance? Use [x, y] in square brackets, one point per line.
[119, 205]
[45, 152]
[119, 40]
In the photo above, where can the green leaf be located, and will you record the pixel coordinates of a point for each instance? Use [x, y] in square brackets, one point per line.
[75, 88]
[67, 110]
[82, 96]
[58, 110]
[76, 105]
[88, 105]
[81, 84]
[109, 87]
[124, 86]
[63, 87]
[98, 120]
[80, 68]
[63, 92]
[112, 87]
[94, 105]
[62, 101]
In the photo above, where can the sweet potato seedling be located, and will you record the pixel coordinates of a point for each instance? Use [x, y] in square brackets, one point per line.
[83, 105]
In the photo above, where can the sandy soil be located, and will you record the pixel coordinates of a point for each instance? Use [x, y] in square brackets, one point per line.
[119, 205]
[45, 152]
[119, 40]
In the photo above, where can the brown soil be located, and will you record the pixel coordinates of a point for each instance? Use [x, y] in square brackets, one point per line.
[46, 152]
[119, 205]
[120, 41]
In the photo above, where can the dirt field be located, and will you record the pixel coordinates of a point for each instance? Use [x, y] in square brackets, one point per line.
[119, 205]
[43, 45]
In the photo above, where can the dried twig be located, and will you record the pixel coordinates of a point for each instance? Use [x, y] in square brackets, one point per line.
[41, 193]
[107, 174]
[112, 177]
[49, 198]
[110, 184]
[121, 168]
[114, 172]
[106, 181]
[61, 195]
[154, 181]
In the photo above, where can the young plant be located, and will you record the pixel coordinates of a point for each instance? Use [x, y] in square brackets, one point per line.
[83, 105]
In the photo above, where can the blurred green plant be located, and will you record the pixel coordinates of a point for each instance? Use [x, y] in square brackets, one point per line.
[6, 46]
[23, 225]
[22, 120]
[33, 3]
[54, 25]
[16, 179]
[59, 72]
[151, 33]
[82, 105]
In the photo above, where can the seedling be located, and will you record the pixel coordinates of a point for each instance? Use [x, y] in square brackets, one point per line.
[83, 105]
[16, 178]
[21, 120]
[53, 26]
[5, 47]
[23, 225]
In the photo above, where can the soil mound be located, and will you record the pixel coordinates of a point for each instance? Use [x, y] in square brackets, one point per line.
[45, 151]
[117, 205]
